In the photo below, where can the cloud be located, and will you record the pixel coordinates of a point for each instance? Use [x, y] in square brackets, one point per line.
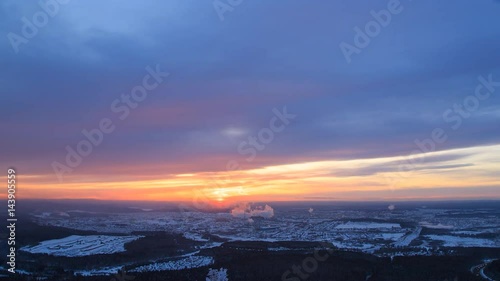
[64, 79]
[248, 211]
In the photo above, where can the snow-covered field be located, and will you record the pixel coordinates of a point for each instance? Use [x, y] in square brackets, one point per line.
[367, 225]
[98, 272]
[194, 237]
[392, 236]
[455, 241]
[436, 226]
[77, 246]
[188, 262]
[406, 240]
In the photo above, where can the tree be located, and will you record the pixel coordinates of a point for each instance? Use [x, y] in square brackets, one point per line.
[217, 275]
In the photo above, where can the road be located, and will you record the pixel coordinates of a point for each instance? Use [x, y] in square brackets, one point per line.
[478, 270]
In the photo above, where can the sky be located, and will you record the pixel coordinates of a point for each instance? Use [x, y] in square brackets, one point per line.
[226, 101]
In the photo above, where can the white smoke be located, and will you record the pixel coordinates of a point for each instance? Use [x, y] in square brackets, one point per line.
[391, 207]
[247, 211]
[311, 210]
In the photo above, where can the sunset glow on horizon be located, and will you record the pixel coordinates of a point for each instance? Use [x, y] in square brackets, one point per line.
[453, 174]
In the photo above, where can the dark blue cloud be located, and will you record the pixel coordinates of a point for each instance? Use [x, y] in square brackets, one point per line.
[233, 73]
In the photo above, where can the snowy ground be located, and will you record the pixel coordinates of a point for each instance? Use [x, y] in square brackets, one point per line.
[364, 230]
[455, 241]
[99, 272]
[406, 240]
[188, 262]
[77, 246]
[367, 225]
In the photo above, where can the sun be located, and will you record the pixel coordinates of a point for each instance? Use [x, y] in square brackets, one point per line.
[224, 195]
[220, 194]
